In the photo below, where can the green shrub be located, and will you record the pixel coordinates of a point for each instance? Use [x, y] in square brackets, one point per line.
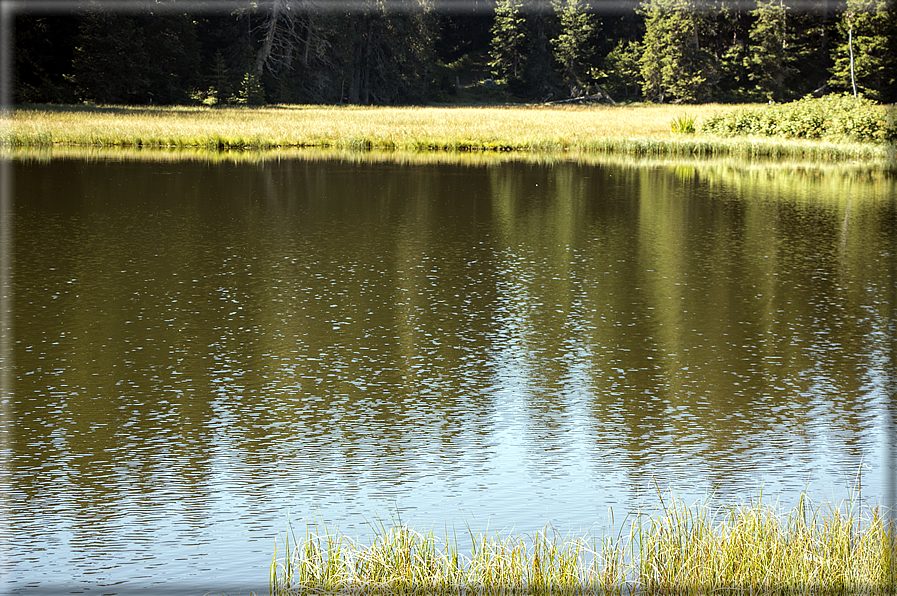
[833, 116]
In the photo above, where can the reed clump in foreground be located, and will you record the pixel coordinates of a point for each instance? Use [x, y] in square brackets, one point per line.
[748, 549]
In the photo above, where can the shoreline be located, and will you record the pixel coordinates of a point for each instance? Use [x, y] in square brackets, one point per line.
[544, 130]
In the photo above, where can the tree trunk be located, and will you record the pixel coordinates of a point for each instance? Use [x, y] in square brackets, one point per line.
[270, 36]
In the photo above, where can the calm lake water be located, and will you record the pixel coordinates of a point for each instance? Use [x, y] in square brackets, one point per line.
[205, 352]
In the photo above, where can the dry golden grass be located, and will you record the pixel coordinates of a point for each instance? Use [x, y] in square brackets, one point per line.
[403, 127]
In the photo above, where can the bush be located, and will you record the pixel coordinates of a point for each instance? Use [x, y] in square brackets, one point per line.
[832, 116]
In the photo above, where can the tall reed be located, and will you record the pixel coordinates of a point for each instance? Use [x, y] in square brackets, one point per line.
[757, 550]
[683, 549]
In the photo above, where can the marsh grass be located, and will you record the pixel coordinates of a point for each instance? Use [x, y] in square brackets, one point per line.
[683, 549]
[684, 124]
[400, 560]
[758, 549]
[643, 130]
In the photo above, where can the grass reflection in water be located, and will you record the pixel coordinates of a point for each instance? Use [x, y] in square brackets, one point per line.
[698, 549]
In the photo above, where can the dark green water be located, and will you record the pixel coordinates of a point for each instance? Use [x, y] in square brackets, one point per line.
[203, 352]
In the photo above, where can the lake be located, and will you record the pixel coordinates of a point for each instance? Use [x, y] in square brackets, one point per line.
[206, 351]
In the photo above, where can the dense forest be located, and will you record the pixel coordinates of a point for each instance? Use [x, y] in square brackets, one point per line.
[300, 51]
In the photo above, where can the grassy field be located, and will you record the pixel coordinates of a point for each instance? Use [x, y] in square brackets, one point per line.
[749, 549]
[547, 129]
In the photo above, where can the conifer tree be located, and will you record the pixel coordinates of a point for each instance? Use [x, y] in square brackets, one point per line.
[251, 92]
[142, 58]
[768, 58]
[573, 46]
[539, 76]
[621, 73]
[44, 48]
[110, 56]
[508, 48]
[220, 79]
[674, 66]
[385, 55]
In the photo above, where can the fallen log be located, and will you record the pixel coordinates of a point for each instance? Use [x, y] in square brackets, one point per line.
[598, 97]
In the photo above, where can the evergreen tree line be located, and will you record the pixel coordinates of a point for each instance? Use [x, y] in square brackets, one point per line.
[291, 51]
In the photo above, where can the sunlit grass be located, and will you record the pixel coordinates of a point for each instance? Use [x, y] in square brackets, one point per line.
[751, 547]
[684, 124]
[401, 560]
[543, 129]
[697, 549]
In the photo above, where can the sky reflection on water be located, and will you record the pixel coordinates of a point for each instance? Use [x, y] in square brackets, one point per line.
[205, 352]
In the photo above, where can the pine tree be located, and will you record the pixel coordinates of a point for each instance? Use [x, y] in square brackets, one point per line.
[621, 74]
[142, 58]
[539, 72]
[386, 56]
[768, 59]
[509, 40]
[674, 67]
[809, 41]
[726, 39]
[220, 79]
[251, 92]
[573, 46]
[870, 27]
[172, 50]
[110, 53]
[44, 48]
